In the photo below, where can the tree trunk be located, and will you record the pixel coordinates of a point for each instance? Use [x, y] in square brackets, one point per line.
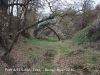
[4, 6]
[4, 38]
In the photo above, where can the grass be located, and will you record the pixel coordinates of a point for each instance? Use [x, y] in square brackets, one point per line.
[52, 39]
[92, 57]
[33, 40]
[48, 67]
[69, 36]
[64, 47]
[37, 49]
[38, 41]
[92, 60]
[81, 37]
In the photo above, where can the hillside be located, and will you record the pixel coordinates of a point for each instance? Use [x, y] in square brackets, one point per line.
[59, 57]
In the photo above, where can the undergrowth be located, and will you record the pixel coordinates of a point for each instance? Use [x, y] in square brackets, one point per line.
[37, 41]
[91, 58]
[44, 52]
[81, 37]
[48, 69]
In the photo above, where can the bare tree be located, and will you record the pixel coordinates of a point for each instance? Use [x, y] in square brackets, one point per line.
[86, 8]
[4, 38]
[27, 13]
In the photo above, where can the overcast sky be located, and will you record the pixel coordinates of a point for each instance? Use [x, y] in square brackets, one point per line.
[72, 1]
[47, 10]
[97, 1]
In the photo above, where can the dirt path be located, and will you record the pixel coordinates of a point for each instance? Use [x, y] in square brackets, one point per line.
[60, 65]
[56, 58]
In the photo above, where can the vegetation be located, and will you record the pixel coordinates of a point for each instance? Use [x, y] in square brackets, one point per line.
[81, 37]
[49, 68]
[51, 55]
[64, 39]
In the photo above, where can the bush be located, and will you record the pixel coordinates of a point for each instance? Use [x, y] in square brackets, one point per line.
[49, 67]
[82, 37]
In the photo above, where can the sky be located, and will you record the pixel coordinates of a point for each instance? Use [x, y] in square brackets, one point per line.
[71, 1]
[97, 2]
[47, 10]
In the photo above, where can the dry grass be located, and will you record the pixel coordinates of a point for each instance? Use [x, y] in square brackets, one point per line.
[60, 54]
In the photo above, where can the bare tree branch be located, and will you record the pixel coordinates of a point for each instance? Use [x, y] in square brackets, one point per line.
[16, 3]
[49, 6]
[17, 35]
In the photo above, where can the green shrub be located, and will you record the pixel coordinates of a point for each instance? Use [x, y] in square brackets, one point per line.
[49, 67]
[82, 37]
[92, 59]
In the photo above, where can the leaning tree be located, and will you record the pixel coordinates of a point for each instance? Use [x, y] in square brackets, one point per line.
[24, 6]
[4, 39]
[4, 26]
